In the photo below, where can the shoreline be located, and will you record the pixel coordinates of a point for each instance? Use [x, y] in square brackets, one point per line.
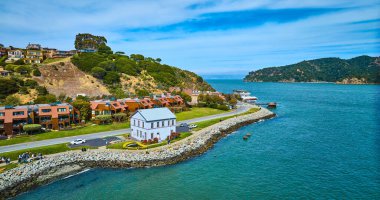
[29, 176]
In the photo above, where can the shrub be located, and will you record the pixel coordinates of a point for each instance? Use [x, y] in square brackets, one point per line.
[120, 117]
[30, 128]
[36, 72]
[104, 118]
[222, 107]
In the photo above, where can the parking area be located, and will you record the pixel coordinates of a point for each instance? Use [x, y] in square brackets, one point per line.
[181, 129]
[96, 142]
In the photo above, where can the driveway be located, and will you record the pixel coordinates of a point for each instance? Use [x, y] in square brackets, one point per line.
[27, 145]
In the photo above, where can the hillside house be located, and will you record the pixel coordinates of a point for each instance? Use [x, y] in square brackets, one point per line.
[48, 52]
[34, 54]
[14, 55]
[147, 124]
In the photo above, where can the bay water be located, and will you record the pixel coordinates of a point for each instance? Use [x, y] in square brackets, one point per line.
[323, 144]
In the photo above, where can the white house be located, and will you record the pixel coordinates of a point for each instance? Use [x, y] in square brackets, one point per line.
[153, 123]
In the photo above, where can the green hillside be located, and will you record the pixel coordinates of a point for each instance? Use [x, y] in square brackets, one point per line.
[362, 69]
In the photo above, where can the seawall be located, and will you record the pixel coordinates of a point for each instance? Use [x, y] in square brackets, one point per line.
[28, 176]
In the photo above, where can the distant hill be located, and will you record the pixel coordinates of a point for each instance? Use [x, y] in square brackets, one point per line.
[358, 70]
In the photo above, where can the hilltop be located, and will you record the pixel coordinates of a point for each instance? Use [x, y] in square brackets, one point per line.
[93, 69]
[358, 70]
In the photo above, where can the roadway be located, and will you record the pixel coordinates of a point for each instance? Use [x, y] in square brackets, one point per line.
[27, 145]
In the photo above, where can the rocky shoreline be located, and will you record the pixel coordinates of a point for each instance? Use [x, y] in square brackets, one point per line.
[28, 176]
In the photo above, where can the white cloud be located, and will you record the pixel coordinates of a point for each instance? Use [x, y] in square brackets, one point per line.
[237, 50]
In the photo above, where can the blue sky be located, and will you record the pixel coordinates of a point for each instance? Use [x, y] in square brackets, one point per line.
[213, 38]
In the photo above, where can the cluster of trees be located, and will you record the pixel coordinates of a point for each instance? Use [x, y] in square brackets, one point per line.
[108, 67]
[212, 101]
[88, 41]
[324, 69]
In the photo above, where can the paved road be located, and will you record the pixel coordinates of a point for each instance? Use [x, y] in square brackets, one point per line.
[15, 147]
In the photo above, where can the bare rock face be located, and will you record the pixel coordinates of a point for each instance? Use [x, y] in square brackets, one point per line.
[353, 81]
[65, 76]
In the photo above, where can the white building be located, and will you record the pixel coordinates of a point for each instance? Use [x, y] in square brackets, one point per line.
[153, 123]
[14, 55]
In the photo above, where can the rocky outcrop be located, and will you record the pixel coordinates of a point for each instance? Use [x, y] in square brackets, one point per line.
[31, 175]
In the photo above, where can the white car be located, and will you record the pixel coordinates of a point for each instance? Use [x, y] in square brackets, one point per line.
[78, 141]
[192, 126]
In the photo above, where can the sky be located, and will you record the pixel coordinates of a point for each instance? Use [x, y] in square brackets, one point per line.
[216, 39]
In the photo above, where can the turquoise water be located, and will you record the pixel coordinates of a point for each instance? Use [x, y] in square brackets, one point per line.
[324, 144]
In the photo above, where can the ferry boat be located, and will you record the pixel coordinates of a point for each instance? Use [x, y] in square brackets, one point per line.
[245, 95]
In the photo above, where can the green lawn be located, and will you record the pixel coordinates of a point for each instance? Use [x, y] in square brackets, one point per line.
[204, 124]
[58, 134]
[197, 112]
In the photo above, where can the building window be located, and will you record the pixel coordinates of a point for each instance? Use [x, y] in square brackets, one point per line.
[142, 124]
[46, 110]
[162, 123]
[151, 125]
[2, 114]
[18, 113]
[61, 109]
[138, 123]
[151, 136]
[158, 125]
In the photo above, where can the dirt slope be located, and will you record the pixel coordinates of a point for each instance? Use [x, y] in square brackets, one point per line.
[66, 78]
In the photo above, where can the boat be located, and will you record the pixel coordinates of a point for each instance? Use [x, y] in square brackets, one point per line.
[245, 137]
[248, 135]
[245, 95]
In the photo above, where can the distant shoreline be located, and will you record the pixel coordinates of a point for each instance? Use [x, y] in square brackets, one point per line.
[29, 176]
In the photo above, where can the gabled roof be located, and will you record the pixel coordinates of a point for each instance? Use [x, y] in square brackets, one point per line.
[155, 114]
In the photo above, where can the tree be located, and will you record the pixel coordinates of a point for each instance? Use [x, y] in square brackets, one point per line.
[158, 60]
[137, 57]
[12, 100]
[36, 72]
[98, 72]
[31, 128]
[42, 90]
[19, 62]
[103, 48]
[84, 108]
[7, 87]
[62, 97]
[30, 83]
[120, 116]
[119, 53]
[23, 69]
[49, 98]
[185, 97]
[104, 118]
[111, 78]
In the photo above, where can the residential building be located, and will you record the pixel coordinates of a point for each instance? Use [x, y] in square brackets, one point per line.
[14, 55]
[133, 104]
[64, 54]
[147, 124]
[106, 107]
[48, 52]
[33, 54]
[12, 119]
[57, 116]
[4, 72]
[147, 103]
[3, 50]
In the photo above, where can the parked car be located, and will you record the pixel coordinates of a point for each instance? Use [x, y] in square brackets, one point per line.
[192, 126]
[183, 125]
[78, 141]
